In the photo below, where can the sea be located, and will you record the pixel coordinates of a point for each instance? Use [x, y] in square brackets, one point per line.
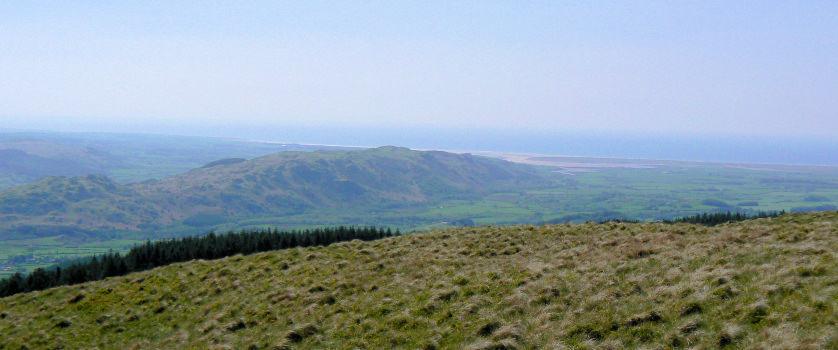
[607, 144]
[687, 147]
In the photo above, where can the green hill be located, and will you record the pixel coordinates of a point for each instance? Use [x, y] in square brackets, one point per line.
[768, 283]
[315, 184]
[298, 180]
[26, 160]
[66, 206]
[28, 156]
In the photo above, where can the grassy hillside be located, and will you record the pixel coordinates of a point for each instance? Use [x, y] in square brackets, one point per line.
[768, 283]
[291, 182]
[69, 206]
[277, 185]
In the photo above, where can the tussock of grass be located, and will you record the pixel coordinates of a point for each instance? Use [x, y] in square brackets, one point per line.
[769, 283]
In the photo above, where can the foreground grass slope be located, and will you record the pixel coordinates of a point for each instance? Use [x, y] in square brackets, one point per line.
[768, 283]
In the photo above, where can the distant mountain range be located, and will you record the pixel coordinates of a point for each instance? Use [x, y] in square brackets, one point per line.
[277, 185]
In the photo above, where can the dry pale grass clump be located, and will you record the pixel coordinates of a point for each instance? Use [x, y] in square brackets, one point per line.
[769, 283]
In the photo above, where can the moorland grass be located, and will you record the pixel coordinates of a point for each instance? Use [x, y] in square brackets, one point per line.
[768, 283]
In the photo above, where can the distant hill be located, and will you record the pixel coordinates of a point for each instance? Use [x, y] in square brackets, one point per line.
[768, 283]
[60, 205]
[26, 160]
[276, 185]
[29, 156]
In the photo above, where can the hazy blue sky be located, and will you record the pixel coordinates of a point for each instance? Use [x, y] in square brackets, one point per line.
[763, 68]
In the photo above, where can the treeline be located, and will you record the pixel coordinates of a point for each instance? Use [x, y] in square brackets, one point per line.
[714, 219]
[165, 252]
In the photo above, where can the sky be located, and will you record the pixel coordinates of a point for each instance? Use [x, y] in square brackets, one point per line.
[750, 69]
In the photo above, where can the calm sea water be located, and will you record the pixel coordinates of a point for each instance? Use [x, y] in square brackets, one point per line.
[775, 150]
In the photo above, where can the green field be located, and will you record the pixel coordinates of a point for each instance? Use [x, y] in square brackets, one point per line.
[644, 194]
[648, 195]
[46, 251]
